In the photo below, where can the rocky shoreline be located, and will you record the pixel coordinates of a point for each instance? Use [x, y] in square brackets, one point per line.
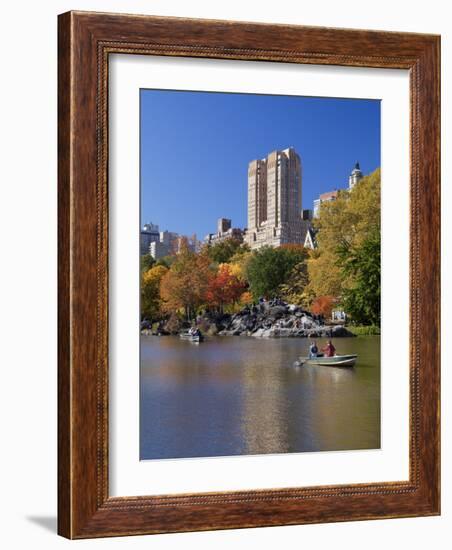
[274, 319]
[279, 321]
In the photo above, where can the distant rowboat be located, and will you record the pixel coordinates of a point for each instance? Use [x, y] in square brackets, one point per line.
[196, 338]
[335, 361]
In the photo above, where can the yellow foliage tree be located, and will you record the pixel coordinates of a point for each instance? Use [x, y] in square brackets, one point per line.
[150, 291]
[238, 264]
[343, 223]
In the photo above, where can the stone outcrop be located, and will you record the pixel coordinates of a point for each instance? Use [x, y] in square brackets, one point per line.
[274, 319]
[280, 320]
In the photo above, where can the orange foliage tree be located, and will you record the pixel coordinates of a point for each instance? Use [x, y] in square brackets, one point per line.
[224, 288]
[323, 305]
[185, 284]
[246, 299]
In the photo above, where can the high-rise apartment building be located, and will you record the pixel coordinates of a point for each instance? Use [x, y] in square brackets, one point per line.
[274, 200]
[148, 235]
[257, 193]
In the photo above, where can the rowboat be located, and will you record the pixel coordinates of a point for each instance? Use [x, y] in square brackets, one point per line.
[196, 338]
[335, 361]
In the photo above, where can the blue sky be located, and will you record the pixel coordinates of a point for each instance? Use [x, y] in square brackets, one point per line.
[196, 146]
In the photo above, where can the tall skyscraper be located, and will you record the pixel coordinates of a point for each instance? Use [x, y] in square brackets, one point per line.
[274, 200]
[257, 193]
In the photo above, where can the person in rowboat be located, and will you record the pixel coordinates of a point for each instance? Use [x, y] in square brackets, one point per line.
[329, 349]
[313, 350]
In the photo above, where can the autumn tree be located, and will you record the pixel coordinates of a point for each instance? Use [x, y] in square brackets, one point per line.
[323, 305]
[246, 299]
[239, 262]
[184, 285]
[351, 217]
[224, 288]
[150, 292]
[343, 226]
[324, 273]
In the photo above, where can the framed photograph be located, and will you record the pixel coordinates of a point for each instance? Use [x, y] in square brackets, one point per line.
[248, 275]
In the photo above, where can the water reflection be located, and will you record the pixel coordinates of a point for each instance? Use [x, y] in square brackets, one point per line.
[232, 396]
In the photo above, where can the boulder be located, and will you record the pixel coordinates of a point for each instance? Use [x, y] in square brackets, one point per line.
[340, 331]
[278, 311]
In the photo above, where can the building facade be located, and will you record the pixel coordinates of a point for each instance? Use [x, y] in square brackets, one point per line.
[355, 176]
[149, 234]
[274, 200]
[324, 197]
[169, 239]
[171, 243]
[158, 250]
[307, 214]
[164, 243]
[309, 241]
[224, 231]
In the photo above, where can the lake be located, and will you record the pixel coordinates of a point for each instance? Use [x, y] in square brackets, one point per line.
[242, 396]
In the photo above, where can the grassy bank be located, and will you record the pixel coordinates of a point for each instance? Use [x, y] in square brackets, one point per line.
[371, 330]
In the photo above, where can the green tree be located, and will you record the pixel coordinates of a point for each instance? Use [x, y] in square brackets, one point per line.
[294, 290]
[146, 262]
[361, 299]
[223, 251]
[268, 268]
[166, 261]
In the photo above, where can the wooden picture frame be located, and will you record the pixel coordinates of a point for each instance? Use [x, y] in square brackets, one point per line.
[85, 42]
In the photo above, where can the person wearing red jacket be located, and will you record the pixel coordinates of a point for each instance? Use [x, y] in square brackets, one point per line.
[329, 350]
